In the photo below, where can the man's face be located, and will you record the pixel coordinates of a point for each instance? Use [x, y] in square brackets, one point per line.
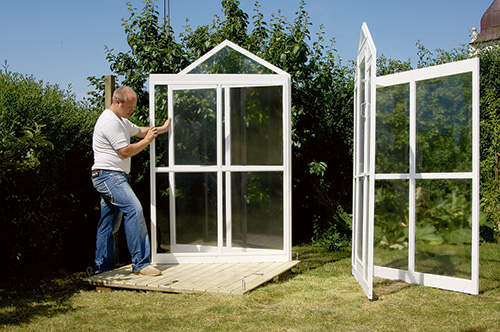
[126, 109]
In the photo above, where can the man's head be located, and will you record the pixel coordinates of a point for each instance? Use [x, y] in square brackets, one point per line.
[124, 101]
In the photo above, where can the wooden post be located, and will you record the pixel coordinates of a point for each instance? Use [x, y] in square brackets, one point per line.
[109, 88]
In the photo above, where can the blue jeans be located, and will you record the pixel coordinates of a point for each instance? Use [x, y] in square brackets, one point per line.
[117, 201]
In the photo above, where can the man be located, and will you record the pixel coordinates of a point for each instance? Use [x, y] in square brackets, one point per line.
[112, 153]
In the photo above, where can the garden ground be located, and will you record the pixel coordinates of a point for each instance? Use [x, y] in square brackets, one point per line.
[321, 295]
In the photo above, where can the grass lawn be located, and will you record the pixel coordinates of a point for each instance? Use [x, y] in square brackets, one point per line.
[321, 295]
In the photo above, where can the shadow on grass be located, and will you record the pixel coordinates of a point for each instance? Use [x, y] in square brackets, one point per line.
[22, 301]
[311, 258]
[489, 267]
[383, 287]
[314, 257]
[49, 296]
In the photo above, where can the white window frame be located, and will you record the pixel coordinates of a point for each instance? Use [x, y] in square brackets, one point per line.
[364, 208]
[364, 179]
[221, 82]
[411, 77]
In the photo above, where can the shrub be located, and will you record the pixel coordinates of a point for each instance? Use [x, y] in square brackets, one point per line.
[336, 234]
[47, 196]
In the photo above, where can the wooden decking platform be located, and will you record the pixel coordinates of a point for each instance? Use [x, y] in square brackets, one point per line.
[226, 278]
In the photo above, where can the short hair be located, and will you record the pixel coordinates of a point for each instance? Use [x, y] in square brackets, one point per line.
[124, 94]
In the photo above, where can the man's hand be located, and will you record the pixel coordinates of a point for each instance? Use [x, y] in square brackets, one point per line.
[143, 131]
[133, 149]
[166, 126]
[151, 134]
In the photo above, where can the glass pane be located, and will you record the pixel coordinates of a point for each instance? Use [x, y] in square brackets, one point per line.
[161, 114]
[195, 127]
[230, 61]
[444, 124]
[443, 234]
[361, 118]
[391, 224]
[367, 121]
[257, 126]
[196, 208]
[162, 213]
[359, 218]
[257, 210]
[393, 116]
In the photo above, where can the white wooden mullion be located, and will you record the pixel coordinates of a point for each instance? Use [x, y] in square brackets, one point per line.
[287, 173]
[425, 176]
[363, 270]
[412, 184]
[476, 177]
[220, 188]
[227, 151]
[171, 175]
[152, 176]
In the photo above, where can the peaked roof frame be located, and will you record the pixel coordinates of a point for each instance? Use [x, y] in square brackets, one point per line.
[237, 48]
[222, 83]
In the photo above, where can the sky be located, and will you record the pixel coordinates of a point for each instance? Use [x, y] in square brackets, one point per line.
[63, 41]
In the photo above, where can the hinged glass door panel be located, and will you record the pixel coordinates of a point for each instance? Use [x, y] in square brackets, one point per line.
[427, 180]
[363, 180]
[187, 216]
[195, 144]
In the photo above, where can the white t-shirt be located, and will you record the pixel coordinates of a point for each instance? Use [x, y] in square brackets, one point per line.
[112, 133]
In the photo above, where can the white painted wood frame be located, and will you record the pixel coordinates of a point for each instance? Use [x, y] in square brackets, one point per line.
[364, 162]
[471, 285]
[223, 251]
[364, 175]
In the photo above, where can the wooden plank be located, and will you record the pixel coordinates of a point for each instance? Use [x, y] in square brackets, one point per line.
[267, 276]
[189, 281]
[179, 277]
[241, 285]
[120, 276]
[224, 273]
[110, 276]
[226, 278]
[233, 276]
[128, 277]
[215, 274]
[168, 275]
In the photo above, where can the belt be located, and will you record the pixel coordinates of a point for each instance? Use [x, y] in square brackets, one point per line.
[105, 170]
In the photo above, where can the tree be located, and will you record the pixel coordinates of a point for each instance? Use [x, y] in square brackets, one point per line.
[321, 92]
[427, 58]
[489, 123]
[490, 139]
[490, 126]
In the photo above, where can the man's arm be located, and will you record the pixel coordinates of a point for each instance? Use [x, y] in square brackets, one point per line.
[166, 126]
[161, 130]
[133, 149]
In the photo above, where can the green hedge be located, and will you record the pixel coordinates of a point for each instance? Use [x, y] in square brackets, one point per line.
[47, 201]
